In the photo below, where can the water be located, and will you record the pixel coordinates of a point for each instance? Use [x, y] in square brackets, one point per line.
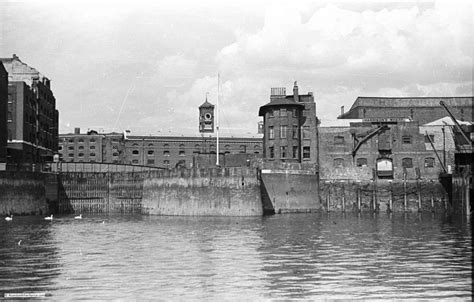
[281, 257]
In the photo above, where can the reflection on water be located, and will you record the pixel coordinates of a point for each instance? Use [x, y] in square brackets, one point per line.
[304, 256]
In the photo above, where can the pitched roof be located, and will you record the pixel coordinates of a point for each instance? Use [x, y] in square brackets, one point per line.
[287, 101]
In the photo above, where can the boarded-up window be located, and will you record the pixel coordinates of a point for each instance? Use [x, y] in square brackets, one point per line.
[362, 162]
[407, 162]
[429, 162]
[339, 140]
[406, 139]
[338, 162]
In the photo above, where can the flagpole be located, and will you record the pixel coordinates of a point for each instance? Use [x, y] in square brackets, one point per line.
[217, 121]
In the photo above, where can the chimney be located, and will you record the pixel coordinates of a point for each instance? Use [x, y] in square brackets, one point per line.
[342, 110]
[77, 130]
[295, 92]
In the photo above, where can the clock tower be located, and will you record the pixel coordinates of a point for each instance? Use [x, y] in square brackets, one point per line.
[206, 117]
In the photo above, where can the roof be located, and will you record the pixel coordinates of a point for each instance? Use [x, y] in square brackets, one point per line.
[446, 121]
[206, 104]
[19, 71]
[408, 102]
[287, 101]
[338, 123]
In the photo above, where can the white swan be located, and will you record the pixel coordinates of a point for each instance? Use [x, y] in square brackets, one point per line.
[9, 218]
[78, 217]
[49, 217]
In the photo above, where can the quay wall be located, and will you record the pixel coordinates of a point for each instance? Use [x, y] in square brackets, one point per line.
[203, 192]
[384, 195]
[26, 193]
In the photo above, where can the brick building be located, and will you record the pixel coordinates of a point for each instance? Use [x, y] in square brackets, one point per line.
[421, 109]
[91, 147]
[290, 127]
[392, 138]
[32, 118]
[157, 151]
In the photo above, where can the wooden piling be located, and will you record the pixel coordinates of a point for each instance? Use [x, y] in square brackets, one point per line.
[432, 203]
[404, 192]
[358, 199]
[374, 196]
[419, 196]
[343, 198]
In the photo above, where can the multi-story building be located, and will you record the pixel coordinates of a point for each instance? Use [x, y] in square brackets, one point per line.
[421, 109]
[92, 147]
[3, 116]
[32, 118]
[390, 141]
[290, 127]
[155, 151]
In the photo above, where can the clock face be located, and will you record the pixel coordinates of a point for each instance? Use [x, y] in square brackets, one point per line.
[208, 116]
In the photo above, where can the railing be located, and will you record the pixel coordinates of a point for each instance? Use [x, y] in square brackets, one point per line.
[98, 167]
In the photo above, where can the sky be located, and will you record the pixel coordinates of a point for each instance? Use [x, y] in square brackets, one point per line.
[146, 66]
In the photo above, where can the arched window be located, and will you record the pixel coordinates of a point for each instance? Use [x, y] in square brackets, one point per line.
[339, 140]
[92, 140]
[362, 162]
[197, 148]
[150, 145]
[429, 162]
[135, 152]
[181, 150]
[339, 162]
[81, 140]
[92, 154]
[150, 152]
[407, 162]
[166, 150]
[135, 145]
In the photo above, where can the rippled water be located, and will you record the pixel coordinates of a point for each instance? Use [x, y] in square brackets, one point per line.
[281, 257]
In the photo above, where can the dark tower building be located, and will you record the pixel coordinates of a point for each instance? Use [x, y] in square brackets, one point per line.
[290, 127]
[206, 117]
[3, 116]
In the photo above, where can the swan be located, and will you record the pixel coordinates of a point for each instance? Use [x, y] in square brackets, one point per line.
[78, 217]
[9, 218]
[49, 217]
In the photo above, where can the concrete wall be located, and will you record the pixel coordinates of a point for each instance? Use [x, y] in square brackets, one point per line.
[24, 193]
[289, 191]
[203, 192]
[384, 195]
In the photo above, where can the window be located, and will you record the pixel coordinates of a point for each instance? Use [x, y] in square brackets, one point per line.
[271, 133]
[197, 148]
[135, 152]
[81, 140]
[271, 113]
[272, 152]
[283, 129]
[306, 132]
[295, 131]
[81, 155]
[150, 145]
[92, 154]
[339, 140]
[60, 148]
[135, 145]
[92, 140]
[181, 150]
[295, 152]
[166, 152]
[429, 162]
[80, 147]
[294, 113]
[406, 139]
[135, 161]
[243, 149]
[71, 155]
[283, 112]
[150, 152]
[166, 163]
[150, 162]
[283, 151]
[306, 152]
[338, 162]
[115, 154]
[361, 162]
[407, 162]
[71, 140]
[91, 147]
[70, 148]
[428, 138]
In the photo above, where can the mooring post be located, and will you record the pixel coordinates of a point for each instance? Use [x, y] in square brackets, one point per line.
[328, 198]
[467, 196]
[343, 198]
[358, 199]
[405, 190]
[374, 196]
[390, 202]
[419, 196]
[432, 203]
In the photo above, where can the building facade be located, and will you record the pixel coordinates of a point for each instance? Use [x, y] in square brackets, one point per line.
[32, 118]
[157, 151]
[421, 109]
[290, 127]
